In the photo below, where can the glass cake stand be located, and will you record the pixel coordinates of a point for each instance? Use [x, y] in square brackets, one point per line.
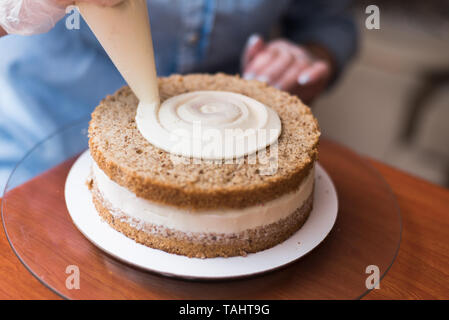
[366, 236]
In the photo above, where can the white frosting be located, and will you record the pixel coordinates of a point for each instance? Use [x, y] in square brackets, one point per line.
[217, 220]
[209, 125]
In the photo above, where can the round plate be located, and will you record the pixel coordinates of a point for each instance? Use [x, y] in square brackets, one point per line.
[85, 217]
[40, 230]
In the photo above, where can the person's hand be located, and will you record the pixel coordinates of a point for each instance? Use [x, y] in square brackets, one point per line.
[28, 17]
[303, 71]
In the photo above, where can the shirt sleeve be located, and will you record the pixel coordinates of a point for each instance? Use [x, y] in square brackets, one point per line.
[326, 23]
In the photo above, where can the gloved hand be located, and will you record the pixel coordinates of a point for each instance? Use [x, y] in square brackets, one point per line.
[28, 17]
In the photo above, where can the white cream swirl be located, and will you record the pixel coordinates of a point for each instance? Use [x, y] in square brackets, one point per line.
[209, 125]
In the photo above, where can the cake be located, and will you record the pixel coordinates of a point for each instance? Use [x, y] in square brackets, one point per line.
[202, 209]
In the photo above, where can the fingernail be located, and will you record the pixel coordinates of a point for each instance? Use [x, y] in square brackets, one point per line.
[262, 79]
[249, 76]
[252, 39]
[303, 78]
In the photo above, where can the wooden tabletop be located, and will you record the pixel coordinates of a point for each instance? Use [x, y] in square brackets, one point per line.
[421, 270]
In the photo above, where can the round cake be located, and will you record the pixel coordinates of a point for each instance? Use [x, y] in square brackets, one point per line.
[203, 208]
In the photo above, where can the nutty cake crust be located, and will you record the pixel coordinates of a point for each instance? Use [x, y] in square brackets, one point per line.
[130, 160]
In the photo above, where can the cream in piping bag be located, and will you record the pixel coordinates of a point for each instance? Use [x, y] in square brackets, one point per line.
[203, 124]
[124, 32]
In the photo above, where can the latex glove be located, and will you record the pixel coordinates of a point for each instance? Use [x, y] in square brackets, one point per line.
[286, 66]
[28, 17]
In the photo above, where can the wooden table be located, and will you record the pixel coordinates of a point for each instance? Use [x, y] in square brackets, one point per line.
[421, 270]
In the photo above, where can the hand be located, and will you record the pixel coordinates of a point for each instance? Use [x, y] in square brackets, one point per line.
[32, 17]
[303, 71]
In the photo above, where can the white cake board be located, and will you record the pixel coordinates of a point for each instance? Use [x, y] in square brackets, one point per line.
[86, 219]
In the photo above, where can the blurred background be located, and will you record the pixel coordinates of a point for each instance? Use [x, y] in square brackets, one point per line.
[392, 104]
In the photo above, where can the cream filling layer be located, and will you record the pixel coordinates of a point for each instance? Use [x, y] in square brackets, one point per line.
[210, 221]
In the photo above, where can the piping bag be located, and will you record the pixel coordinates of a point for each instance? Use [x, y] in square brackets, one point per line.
[124, 32]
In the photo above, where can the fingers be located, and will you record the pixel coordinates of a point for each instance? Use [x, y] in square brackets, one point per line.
[289, 80]
[316, 71]
[287, 67]
[312, 81]
[254, 46]
[277, 67]
[255, 66]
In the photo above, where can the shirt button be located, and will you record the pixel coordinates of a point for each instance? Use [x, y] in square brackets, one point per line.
[193, 38]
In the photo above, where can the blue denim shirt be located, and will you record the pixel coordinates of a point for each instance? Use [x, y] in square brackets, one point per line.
[49, 80]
